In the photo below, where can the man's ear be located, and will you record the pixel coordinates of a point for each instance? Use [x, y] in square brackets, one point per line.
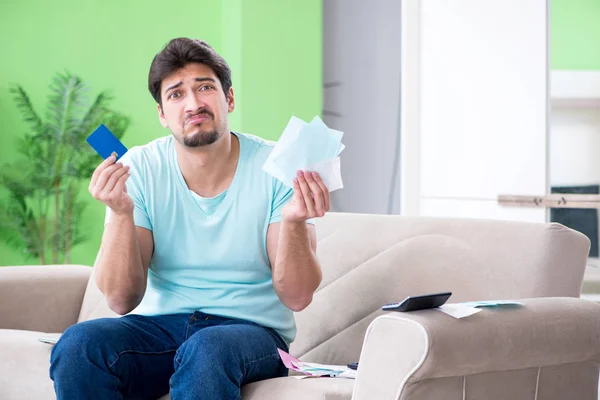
[161, 116]
[230, 101]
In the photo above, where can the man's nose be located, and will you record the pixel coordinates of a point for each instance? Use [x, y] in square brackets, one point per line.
[193, 103]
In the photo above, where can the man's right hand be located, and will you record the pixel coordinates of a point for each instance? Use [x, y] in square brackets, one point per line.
[108, 186]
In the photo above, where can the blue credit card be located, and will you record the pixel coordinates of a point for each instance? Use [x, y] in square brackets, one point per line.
[105, 143]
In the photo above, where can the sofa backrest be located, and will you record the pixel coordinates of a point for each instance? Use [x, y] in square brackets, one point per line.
[371, 260]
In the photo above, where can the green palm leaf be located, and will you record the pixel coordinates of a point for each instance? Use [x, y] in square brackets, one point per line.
[65, 106]
[18, 226]
[26, 107]
[71, 232]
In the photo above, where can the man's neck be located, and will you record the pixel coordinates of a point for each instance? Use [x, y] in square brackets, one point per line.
[209, 170]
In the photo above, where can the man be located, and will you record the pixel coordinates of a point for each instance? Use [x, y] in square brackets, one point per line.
[206, 254]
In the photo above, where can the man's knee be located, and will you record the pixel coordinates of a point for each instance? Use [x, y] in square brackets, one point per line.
[82, 343]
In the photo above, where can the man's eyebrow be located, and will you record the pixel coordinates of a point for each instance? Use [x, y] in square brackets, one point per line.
[198, 79]
[174, 86]
[205, 78]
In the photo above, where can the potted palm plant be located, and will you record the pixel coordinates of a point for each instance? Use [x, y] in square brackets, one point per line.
[41, 212]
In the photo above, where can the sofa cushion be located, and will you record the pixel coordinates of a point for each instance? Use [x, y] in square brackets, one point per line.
[292, 388]
[24, 370]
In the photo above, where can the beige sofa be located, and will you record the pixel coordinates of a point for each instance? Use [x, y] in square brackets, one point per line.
[549, 349]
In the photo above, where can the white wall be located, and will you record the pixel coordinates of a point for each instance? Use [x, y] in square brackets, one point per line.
[575, 146]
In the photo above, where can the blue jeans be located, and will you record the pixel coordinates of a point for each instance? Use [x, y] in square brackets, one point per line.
[195, 356]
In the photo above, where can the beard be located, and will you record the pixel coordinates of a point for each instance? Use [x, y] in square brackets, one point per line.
[199, 139]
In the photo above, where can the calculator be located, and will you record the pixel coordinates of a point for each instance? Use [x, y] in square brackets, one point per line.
[421, 302]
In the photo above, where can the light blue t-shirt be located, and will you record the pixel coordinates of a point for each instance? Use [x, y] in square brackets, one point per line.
[210, 254]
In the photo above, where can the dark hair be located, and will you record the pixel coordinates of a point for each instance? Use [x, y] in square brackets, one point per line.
[180, 52]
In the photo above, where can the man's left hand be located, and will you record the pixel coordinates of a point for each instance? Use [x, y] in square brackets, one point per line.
[310, 200]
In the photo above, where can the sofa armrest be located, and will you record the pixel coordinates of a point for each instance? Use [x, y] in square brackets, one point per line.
[401, 348]
[45, 298]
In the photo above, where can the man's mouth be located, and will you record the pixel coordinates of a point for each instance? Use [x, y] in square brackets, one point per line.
[197, 119]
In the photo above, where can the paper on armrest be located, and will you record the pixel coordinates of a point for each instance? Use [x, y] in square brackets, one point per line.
[492, 303]
[458, 310]
[307, 147]
[462, 310]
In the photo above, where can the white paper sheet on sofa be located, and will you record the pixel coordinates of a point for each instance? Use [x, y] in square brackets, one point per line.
[463, 310]
[50, 338]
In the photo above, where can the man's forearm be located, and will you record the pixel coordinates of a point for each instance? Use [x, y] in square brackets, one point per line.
[119, 271]
[296, 274]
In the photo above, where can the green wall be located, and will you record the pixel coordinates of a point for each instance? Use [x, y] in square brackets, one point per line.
[280, 63]
[575, 34]
[273, 48]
